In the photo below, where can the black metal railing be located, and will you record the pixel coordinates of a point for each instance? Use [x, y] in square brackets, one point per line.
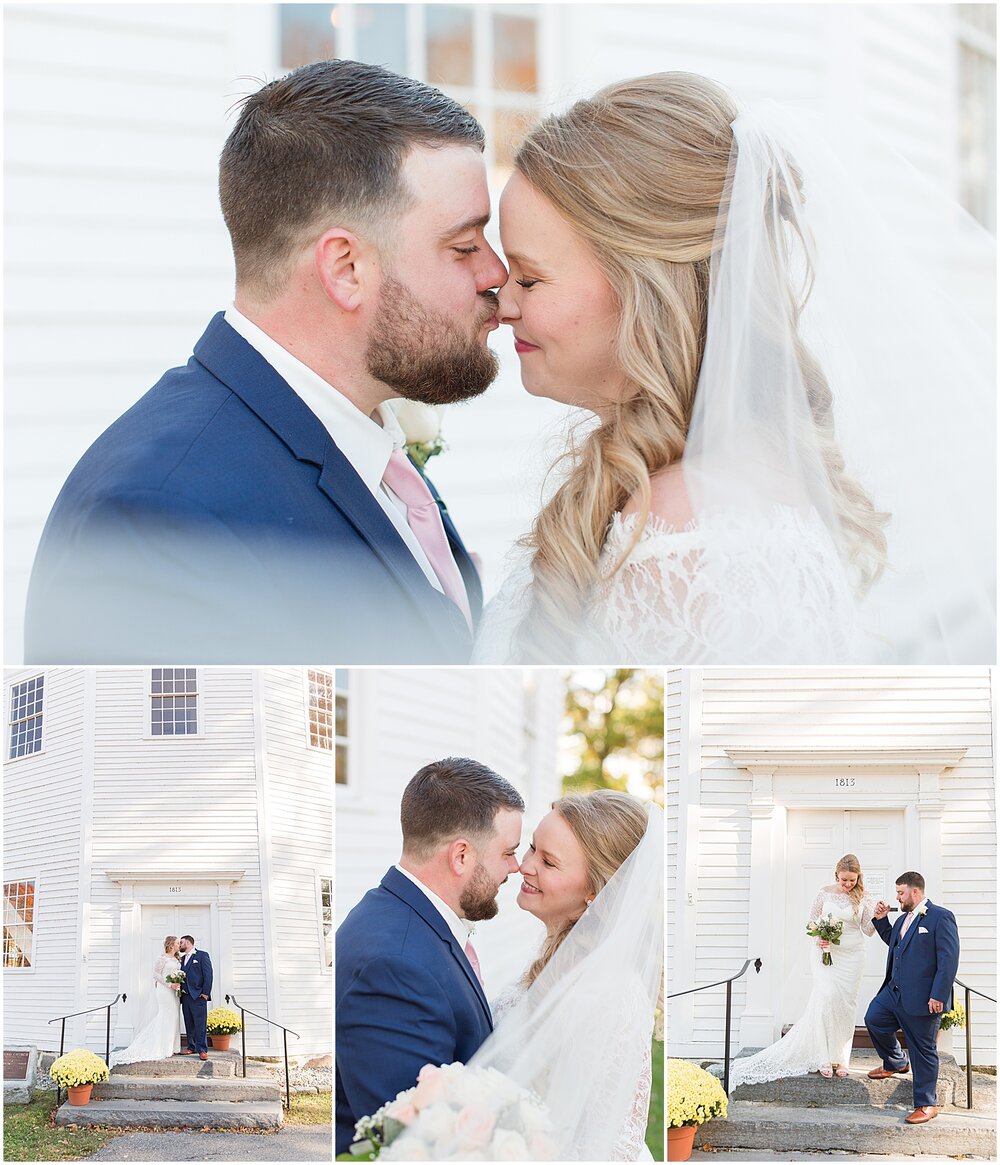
[969, 992]
[107, 1034]
[244, 1012]
[757, 964]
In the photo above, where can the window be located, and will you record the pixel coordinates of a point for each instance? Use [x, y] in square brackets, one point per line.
[18, 923]
[977, 126]
[26, 717]
[173, 697]
[321, 709]
[326, 920]
[340, 760]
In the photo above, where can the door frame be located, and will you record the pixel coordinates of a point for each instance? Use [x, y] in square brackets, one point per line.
[787, 778]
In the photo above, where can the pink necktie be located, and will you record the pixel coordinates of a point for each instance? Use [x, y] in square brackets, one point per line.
[470, 954]
[906, 925]
[424, 519]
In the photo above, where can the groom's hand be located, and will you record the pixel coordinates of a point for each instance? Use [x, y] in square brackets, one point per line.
[202, 996]
[935, 1006]
[881, 909]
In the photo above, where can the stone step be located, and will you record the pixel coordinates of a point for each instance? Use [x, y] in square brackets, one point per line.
[232, 1088]
[857, 1089]
[217, 1064]
[172, 1114]
[850, 1129]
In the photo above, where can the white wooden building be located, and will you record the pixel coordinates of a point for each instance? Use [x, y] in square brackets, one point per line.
[774, 775]
[391, 722]
[142, 802]
[116, 254]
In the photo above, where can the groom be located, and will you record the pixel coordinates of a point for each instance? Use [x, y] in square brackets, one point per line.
[919, 980]
[409, 985]
[256, 504]
[196, 993]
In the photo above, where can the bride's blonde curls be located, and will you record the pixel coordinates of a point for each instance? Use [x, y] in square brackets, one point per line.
[639, 171]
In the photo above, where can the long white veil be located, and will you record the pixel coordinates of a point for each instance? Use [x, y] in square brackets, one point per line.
[828, 240]
[580, 1036]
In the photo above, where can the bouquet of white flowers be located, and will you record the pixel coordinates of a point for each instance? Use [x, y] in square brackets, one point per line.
[177, 977]
[457, 1112]
[829, 929]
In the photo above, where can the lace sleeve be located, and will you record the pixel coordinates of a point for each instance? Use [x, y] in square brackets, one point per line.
[816, 910]
[867, 909]
[160, 970]
[774, 593]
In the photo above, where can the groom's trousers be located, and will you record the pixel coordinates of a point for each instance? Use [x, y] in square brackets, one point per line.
[195, 1022]
[885, 1016]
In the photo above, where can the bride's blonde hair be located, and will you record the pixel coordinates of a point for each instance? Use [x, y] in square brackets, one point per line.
[849, 864]
[639, 172]
[168, 943]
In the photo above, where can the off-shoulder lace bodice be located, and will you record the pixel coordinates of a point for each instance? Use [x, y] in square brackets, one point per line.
[631, 1142]
[768, 591]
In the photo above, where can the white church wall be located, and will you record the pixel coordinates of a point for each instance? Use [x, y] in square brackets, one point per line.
[814, 709]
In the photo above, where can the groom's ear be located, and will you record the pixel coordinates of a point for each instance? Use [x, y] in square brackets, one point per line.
[342, 267]
[459, 856]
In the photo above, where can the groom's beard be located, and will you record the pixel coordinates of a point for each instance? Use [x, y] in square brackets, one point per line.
[478, 901]
[425, 356]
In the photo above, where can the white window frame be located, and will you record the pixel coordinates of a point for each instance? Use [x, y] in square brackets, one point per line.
[327, 968]
[9, 723]
[307, 691]
[36, 882]
[199, 705]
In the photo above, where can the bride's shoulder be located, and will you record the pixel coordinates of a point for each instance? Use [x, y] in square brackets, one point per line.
[670, 502]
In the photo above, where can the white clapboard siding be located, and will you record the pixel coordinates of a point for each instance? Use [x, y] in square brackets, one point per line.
[827, 708]
[246, 795]
[117, 254]
[402, 719]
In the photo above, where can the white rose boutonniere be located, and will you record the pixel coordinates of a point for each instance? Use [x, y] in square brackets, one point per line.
[920, 910]
[421, 425]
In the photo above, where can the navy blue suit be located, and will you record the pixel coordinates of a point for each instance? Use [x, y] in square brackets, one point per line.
[198, 970]
[919, 968]
[406, 996]
[217, 522]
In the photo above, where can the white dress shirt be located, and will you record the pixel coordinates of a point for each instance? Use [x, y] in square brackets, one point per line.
[366, 442]
[461, 928]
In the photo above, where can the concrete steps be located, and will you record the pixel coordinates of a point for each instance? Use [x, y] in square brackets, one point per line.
[878, 1130]
[179, 1093]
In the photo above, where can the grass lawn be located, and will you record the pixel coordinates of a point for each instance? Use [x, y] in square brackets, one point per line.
[314, 1108]
[30, 1135]
[654, 1127]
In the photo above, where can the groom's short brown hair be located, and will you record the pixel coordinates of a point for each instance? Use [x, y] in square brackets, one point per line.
[911, 878]
[322, 147]
[451, 798]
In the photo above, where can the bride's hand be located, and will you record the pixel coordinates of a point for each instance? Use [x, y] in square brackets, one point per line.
[822, 943]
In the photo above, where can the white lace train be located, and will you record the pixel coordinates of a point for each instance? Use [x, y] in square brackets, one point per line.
[159, 1036]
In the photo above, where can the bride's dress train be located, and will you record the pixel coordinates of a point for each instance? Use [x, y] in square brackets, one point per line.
[159, 1037]
[824, 1033]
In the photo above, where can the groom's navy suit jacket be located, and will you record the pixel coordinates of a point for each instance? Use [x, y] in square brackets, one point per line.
[406, 996]
[218, 522]
[924, 965]
[198, 974]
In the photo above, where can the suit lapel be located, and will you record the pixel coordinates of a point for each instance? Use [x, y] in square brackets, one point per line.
[908, 937]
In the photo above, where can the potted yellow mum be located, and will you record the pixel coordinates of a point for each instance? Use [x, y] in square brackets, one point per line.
[222, 1023]
[78, 1071]
[693, 1097]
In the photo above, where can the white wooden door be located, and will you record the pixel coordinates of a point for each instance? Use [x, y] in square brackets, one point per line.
[816, 839]
[157, 923]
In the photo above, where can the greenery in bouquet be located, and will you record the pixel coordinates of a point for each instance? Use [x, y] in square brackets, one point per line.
[830, 929]
[177, 977]
[693, 1095]
[223, 1021]
[78, 1068]
[953, 1018]
[457, 1112]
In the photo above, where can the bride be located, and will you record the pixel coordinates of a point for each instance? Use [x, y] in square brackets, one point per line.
[576, 1028]
[159, 1036]
[822, 1037]
[714, 288]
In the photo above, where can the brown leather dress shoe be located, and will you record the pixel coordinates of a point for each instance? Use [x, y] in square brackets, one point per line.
[885, 1073]
[920, 1116]
[187, 1052]
[204, 1056]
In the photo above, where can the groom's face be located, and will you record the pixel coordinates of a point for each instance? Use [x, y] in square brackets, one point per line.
[435, 303]
[496, 860]
[905, 897]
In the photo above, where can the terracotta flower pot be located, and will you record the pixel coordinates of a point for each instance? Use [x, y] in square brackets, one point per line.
[680, 1142]
[80, 1094]
[220, 1043]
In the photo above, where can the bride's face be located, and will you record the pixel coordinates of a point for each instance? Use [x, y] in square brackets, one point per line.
[846, 880]
[559, 304]
[554, 885]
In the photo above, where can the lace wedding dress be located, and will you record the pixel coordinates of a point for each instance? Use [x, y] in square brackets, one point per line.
[631, 1144]
[824, 1033]
[159, 1037]
[768, 591]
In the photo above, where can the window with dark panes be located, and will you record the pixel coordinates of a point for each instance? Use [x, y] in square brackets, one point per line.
[173, 696]
[26, 705]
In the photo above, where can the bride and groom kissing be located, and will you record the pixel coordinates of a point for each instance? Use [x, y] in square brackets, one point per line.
[921, 966]
[575, 1028]
[182, 972]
